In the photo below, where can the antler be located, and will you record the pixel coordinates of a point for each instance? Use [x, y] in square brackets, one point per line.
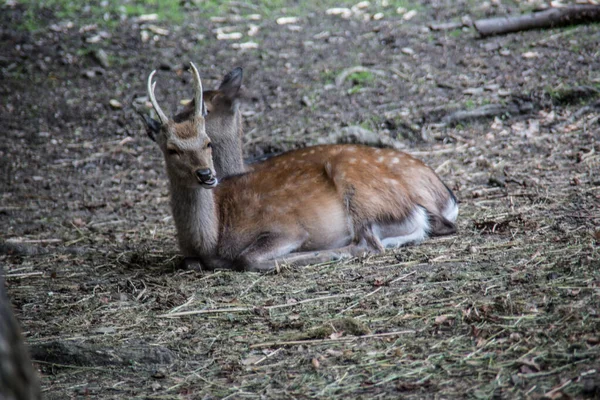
[161, 115]
[199, 108]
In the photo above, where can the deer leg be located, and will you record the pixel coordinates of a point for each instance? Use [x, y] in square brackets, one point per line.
[302, 259]
[367, 237]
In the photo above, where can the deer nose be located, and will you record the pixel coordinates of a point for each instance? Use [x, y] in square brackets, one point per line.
[204, 174]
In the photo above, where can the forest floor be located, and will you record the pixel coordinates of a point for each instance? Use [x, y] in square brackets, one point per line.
[509, 307]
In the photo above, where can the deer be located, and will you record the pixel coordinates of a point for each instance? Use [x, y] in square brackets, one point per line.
[18, 379]
[302, 207]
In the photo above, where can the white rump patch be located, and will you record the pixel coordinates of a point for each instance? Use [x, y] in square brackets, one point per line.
[413, 229]
[451, 210]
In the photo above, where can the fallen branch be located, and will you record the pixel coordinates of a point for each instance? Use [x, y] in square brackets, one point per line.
[85, 354]
[551, 18]
[486, 111]
[325, 341]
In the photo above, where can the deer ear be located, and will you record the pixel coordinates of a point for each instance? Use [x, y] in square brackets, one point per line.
[152, 126]
[230, 86]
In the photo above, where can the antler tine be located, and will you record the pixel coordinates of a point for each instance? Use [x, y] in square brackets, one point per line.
[161, 115]
[199, 107]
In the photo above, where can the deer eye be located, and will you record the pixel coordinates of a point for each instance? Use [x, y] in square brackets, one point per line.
[209, 145]
[172, 152]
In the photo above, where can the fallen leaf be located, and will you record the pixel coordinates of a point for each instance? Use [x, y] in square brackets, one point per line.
[78, 222]
[336, 335]
[316, 364]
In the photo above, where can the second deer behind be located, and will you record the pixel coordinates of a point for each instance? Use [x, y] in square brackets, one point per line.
[305, 206]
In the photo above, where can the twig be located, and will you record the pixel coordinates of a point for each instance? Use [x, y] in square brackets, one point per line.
[23, 275]
[246, 309]
[400, 278]
[440, 151]
[325, 341]
[557, 389]
[271, 354]
[358, 301]
[208, 311]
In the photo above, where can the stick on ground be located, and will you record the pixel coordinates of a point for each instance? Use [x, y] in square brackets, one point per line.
[551, 18]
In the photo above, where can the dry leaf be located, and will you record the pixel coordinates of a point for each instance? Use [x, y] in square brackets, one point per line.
[336, 335]
[531, 54]
[316, 364]
[78, 222]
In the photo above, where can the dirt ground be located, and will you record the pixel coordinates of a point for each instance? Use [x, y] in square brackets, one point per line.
[506, 308]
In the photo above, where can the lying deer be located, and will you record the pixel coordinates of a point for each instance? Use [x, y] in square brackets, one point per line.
[302, 207]
[18, 380]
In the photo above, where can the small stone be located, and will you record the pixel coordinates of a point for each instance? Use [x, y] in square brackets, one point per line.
[287, 20]
[473, 91]
[378, 16]
[408, 50]
[341, 11]
[116, 104]
[145, 36]
[409, 15]
[531, 54]
[94, 39]
[252, 30]
[306, 101]
[102, 58]
[229, 36]
[159, 374]
[158, 30]
[492, 46]
[147, 17]
[245, 45]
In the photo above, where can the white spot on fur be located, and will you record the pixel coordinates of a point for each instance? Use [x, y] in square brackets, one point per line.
[352, 160]
[312, 152]
[395, 160]
[380, 159]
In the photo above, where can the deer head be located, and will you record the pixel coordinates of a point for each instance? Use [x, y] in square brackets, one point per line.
[185, 145]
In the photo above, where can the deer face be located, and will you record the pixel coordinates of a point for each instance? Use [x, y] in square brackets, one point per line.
[185, 145]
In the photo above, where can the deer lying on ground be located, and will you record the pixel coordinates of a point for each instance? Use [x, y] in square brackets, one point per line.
[18, 380]
[306, 206]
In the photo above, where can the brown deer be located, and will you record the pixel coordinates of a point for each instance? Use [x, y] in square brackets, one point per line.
[18, 380]
[302, 207]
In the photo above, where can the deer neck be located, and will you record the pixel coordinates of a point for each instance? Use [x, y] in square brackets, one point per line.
[227, 147]
[196, 219]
